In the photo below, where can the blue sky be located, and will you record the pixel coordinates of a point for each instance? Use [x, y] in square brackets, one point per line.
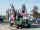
[5, 4]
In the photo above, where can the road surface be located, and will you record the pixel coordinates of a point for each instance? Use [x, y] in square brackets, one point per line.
[4, 26]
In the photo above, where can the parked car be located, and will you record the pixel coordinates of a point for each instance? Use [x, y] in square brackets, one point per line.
[1, 19]
[38, 19]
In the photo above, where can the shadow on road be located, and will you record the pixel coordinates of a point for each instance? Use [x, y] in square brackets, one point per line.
[35, 26]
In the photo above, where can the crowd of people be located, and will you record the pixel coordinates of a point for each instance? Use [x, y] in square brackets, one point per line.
[19, 17]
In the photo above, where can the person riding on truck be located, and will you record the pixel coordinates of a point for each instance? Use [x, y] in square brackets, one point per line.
[22, 12]
[12, 19]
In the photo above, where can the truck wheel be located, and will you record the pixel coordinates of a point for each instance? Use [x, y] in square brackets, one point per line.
[11, 24]
[28, 26]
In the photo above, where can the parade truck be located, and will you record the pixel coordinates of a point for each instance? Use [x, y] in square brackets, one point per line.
[23, 20]
[21, 24]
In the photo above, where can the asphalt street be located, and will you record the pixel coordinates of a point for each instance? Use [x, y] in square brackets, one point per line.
[6, 26]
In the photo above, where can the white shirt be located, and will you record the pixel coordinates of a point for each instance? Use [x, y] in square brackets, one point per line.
[24, 17]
